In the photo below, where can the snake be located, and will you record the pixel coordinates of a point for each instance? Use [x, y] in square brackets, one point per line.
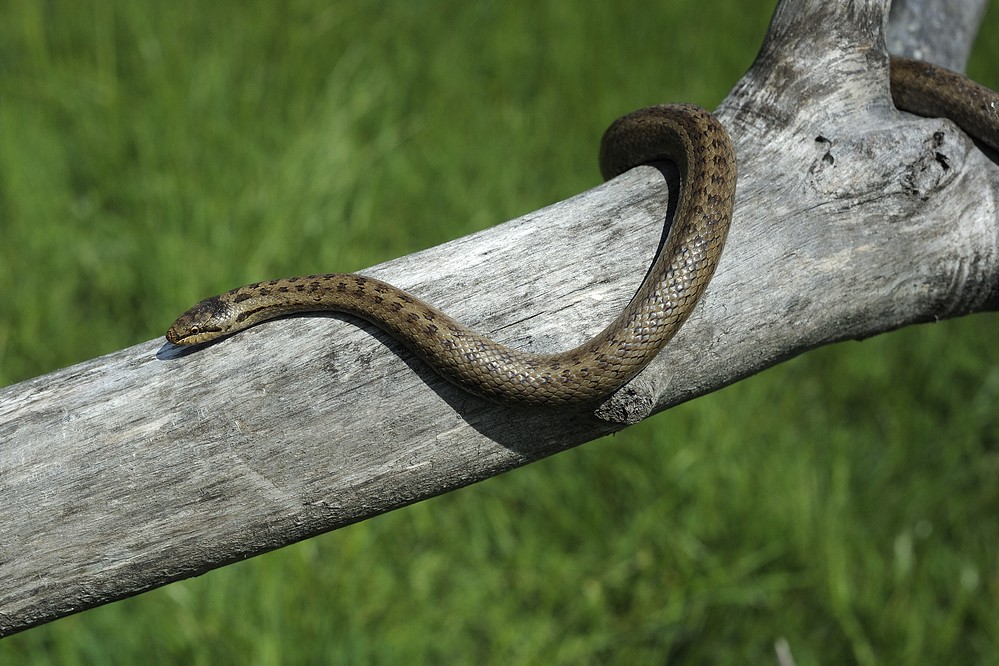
[698, 145]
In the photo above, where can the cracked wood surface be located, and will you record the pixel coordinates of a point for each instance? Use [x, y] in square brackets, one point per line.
[140, 468]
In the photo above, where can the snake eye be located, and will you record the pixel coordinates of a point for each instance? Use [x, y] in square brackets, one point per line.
[195, 330]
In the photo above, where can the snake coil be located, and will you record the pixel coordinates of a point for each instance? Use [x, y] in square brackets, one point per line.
[688, 136]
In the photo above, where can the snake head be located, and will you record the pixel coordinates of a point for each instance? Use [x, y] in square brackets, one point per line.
[202, 323]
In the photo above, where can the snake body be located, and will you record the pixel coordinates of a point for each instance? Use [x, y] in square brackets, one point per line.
[688, 136]
[936, 92]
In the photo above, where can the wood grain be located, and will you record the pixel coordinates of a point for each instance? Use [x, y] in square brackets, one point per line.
[146, 466]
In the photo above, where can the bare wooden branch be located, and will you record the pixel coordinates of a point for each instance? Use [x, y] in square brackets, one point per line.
[936, 31]
[147, 466]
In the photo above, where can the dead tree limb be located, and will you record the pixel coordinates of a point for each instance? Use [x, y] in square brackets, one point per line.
[146, 466]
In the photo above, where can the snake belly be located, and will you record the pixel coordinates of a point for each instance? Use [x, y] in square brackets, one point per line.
[690, 137]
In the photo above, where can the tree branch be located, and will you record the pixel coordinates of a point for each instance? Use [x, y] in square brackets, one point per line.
[148, 466]
[936, 31]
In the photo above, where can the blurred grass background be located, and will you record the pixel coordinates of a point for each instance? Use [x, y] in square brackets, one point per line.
[151, 154]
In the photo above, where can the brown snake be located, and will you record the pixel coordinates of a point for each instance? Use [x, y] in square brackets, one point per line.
[688, 136]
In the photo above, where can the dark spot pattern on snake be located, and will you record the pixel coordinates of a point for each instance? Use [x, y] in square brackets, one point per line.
[698, 145]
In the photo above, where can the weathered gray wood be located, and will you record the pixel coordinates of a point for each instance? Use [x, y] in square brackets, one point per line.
[147, 466]
[938, 31]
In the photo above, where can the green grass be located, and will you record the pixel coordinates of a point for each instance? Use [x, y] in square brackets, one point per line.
[154, 153]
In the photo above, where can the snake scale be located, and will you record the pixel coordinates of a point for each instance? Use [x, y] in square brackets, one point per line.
[687, 135]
